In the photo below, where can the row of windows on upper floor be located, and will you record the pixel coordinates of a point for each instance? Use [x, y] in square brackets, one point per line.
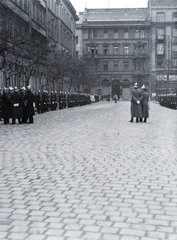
[161, 48]
[161, 16]
[116, 49]
[161, 33]
[161, 63]
[106, 33]
[123, 66]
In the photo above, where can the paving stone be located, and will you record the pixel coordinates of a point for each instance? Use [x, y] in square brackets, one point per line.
[65, 182]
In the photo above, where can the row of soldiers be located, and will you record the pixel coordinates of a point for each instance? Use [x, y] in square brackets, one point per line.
[45, 102]
[21, 104]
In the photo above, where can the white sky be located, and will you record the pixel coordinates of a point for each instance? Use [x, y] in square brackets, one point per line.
[80, 5]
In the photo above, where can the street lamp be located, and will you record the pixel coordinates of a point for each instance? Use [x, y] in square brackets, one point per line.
[168, 66]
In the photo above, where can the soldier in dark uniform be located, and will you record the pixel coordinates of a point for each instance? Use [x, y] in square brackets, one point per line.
[48, 101]
[0, 105]
[17, 102]
[64, 99]
[60, 100]
[30, 101]
[52, 101]
[6, 106]
[38, 102]
[136, 109]
[56, 102]
[24, 105]
[145, 104]
[43, 102]
[69, 100]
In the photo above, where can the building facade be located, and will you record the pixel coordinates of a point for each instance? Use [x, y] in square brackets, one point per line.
[131, 45]
[50, 22]
[163, 62]
[119, 40]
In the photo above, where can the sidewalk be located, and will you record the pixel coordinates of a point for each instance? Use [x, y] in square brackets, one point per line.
[87, 173]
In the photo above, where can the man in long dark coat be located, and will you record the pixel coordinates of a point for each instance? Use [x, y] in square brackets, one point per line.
[38, 102]
[17, 104]
[6, 106]
[136, 109]
[0, 105]
[145, 104]
[30, 107]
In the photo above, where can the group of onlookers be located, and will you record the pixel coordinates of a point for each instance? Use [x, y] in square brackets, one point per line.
[139, 104]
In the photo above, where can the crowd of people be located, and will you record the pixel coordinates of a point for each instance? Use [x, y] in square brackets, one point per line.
[20, 105]
[139, 104]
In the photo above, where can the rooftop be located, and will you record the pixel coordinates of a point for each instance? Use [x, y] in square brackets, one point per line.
[163, 2]
[115, 14]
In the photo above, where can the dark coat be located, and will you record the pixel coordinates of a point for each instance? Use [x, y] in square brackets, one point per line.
[136, 109]
[30, 100]
[6, 106]
[17, 105]
[145, 105]
[0, 105]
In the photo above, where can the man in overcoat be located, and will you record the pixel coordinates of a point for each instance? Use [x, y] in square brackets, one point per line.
[145, 104]
[136, 97]
[6, 106]
[30, 107]
[17, 106]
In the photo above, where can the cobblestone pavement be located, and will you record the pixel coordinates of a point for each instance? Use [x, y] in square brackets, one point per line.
[87, 173]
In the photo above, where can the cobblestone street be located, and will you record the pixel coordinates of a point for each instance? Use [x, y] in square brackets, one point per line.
[87, 173]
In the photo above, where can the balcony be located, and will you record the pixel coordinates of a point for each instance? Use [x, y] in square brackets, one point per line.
[137, 73]
[140, 55]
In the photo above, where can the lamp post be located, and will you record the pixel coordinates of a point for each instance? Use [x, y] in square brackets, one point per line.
[168, 66]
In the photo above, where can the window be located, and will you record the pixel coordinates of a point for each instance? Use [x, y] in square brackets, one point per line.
[174, 48]
[116, 50]
[116, 66]
[174, 62]
[126, 50]
[89, 50]
[126, 34]
[116, 34]
[175, 16]
[105, 50]
[160, 17]
[94, 33]
[90, 34]
[160, 63]
[174, 32]
[105, 66]
[142, 34]
[160, 49]
[160, 33]
[94, 50]
[105, 33]
[137, 34]
[77, 40]
[126, 65]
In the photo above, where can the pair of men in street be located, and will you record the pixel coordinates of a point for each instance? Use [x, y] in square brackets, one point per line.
[139, 104]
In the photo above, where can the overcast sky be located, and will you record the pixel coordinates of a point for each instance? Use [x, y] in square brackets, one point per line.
[79, 5]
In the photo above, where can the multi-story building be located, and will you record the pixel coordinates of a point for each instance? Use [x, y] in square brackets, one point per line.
[51, 21]
[163, 37]
[131, 45]
[119, 40]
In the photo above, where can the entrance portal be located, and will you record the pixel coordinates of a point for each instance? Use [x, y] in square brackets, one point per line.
[126, 89]
[116, 88]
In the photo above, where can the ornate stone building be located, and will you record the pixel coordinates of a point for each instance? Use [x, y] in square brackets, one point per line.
[52, 22]
[131, 45]
[119, 40]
